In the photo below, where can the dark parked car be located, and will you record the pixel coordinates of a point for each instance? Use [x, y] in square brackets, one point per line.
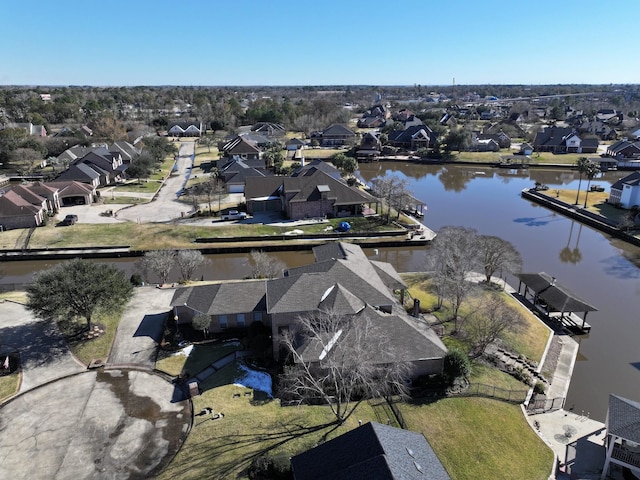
[70, 220]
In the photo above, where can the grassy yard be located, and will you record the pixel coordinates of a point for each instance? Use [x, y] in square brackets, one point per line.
[97, 348]
[9, 385]
[478, 438]
[124, 200]
[163, 236]
[251, 427]
[529, 340]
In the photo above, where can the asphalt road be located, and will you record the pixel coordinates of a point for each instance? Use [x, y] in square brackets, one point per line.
[166, 206]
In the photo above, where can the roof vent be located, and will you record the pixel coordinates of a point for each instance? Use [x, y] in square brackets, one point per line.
[553, 281]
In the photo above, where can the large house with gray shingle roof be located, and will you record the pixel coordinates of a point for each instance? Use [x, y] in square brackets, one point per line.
[342, 280]
[311, 193]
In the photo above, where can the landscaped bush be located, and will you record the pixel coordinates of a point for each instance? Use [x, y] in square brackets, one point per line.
[456, 364]
[267, 467]
[539, 388]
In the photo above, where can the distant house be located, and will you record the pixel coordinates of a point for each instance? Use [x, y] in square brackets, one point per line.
[502, 139]
[624, 149]
[563, 140]
[236, 171]
[371, 452]
[370, 147]
[311, 192]
[334, 136]
[526, 149]
[484, 145]
[243, 147]
[626, 191]
[622, 444]
[294, 144]
[269, 129]
[30, 128]
[413, 138]
[126, 150]
[375, 117]
[17, 212]
[185, 129]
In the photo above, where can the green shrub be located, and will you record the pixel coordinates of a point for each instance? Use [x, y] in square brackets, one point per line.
[268, 467]
[136, 280]
[539, 388]
[456, 364]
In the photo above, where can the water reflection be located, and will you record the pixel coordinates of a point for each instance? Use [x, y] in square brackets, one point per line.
[568, 254]
[454, 179]
[538, 221]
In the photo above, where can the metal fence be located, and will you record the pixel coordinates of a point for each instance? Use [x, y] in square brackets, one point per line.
[491, 391]
[545, 404]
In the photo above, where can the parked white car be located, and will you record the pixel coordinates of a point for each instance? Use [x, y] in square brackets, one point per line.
[234, 215]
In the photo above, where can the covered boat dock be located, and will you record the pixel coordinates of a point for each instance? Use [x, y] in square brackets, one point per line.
[554, 301]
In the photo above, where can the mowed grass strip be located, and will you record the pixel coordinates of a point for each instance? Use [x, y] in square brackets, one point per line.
[478, 438]
[9, 385]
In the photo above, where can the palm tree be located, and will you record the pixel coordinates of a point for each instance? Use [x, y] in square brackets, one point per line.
[592, 169]
[581, 164]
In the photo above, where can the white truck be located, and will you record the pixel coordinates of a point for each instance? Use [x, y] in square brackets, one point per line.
[234, 215]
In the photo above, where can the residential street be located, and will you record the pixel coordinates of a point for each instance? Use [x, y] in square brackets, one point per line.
[166, 206]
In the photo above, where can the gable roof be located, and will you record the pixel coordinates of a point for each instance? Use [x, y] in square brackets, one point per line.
[28, 194]
[553, 136]
[623, 418]
[410, 133]
[311, 167]
[633, 180]
[371, 452]
[223, 298]
[306, 189]
[338, 129]
[13, 205]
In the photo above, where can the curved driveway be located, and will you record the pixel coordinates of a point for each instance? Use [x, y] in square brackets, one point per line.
[166, 206]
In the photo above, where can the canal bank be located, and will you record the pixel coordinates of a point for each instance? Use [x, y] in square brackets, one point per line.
[596, 221]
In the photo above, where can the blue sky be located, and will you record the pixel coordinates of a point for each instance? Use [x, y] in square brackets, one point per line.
[330, 42]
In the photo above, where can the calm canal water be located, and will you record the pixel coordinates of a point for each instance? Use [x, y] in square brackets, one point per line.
[601, 270]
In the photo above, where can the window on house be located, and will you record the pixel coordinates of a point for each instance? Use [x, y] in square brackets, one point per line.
[240, 320]
[257, 316]
[222, 321]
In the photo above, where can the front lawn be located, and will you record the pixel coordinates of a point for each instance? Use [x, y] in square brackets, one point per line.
[479, 438]
[97, 348]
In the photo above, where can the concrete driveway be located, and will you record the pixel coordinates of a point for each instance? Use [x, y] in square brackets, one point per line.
[44, 355]
[99, 424]
[166, 206]
[140, 329]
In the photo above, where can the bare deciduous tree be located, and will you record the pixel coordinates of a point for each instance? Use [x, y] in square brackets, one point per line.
[343, 368]
[453, 256]
[498, 254]
[160, 262]
[394, 191]
[264, 265]
[188, 261]
[492, 318]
